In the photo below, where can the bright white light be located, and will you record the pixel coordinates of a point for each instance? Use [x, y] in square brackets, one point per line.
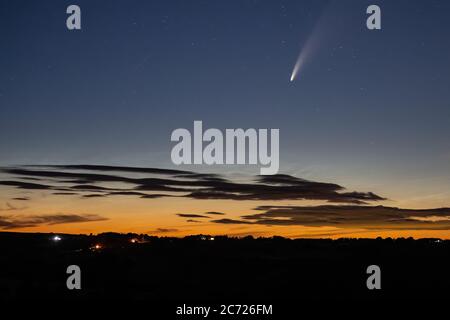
[309, 47]
[56, 238]
[297, 66]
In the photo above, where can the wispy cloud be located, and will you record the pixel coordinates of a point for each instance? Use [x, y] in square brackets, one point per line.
[163, 230]
[175, 183]
[190, 215]
[348, 216]
[16, 221]
[10, 207]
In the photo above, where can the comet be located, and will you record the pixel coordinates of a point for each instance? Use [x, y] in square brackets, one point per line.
[309, 47]
[297, 66]
[312, 42]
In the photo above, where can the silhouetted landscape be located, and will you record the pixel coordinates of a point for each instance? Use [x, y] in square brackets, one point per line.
[220, 268]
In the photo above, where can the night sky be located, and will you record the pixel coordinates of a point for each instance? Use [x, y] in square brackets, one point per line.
[369, 110]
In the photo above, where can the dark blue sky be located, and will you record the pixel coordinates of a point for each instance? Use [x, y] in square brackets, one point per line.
[367, 104]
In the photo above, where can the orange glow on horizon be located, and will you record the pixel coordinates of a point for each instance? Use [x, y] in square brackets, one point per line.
[158, 217]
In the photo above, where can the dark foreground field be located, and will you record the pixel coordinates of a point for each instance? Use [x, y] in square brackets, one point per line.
[201, 269]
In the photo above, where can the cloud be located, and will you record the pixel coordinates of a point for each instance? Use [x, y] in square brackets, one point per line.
[26, 185]
[90, 188]
[64, 193]
[190, 215]
[10, 207]
[154, 196]
[177, 183]
[116, 169]
[348, 216]
[431, 218]
[163, 230]
[215, 213]
[232, 221]
[283, 187]
[14, 222]
[351, 209]
[193, 215]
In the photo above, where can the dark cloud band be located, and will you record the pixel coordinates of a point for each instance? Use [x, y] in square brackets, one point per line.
[14, 222]
[177, 183]
[348, 216]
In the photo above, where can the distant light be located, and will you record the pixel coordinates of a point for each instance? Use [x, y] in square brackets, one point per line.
[56, 238]
[97, 246]
[212, 238]
[133, 240]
